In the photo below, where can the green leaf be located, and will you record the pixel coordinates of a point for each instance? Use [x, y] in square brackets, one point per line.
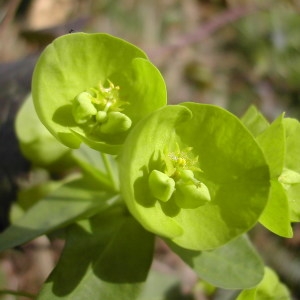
[86, 63]
[272, 142]
[292, 163]
[235, 265]
[107, 257]
[254, 121]
[272, 139]
[62, 207]
[158, 285]
[270, 288]
[28, 197]
[292, 159]
[280, 143]
[276, 215]
[36, 143]
[294, 202]
[222, 155]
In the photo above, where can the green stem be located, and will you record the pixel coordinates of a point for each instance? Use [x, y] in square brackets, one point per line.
[109, 170]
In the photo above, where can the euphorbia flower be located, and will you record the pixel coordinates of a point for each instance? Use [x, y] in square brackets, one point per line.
[194, 174]
[93, 88]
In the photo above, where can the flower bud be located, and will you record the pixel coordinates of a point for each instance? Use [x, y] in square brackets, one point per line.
[83, 108]
[289, 177]
[101, 116]
[187, 176]
[117, 122]
[161, 185]
[189, 195]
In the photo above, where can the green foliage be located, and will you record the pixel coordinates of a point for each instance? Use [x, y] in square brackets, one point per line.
[272, 44]
[230, 261]
[280, 143]
[193, 174]
[270, 288]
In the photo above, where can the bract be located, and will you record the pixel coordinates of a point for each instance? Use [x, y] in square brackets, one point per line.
[35, 141]
[93, 88]
[220, 173]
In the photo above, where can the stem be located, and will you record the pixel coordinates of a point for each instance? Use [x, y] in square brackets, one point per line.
[109, 170]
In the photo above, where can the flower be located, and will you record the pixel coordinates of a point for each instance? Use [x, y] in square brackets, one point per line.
[94, 88]
[194, 174]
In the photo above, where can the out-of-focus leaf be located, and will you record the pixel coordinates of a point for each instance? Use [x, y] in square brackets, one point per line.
[65, 205]
[235, 265]
[270, 288]
[106, 257]
[36, 142]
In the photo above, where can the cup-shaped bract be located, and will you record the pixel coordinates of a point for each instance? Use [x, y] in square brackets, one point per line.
[221, 179]
[36, 142]
[94, 88]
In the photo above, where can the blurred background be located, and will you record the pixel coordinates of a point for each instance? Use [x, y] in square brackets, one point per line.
[225, 52]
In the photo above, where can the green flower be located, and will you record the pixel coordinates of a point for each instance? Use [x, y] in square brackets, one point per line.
[94, 88]
[194, 174]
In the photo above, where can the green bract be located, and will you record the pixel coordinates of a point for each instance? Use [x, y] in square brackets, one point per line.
[35, 141]
[194, 174]
[290, 176]
[280, 144]
[269, 288]
[93, 88]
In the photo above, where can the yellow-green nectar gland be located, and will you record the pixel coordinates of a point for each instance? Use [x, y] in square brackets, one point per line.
[178, 182]
[100, 109]
[189, 191]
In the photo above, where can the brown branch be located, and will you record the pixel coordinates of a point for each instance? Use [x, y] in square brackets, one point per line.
[11, 9]
[205, 30]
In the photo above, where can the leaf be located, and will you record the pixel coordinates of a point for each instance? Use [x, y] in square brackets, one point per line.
[62, 207]
[272, 139]
[78, 62]
[107, 257]
[292, 162]
[235, 265]
[272, 142]
[292, 159]
[276, 215]
[254, 121]
[28, 197]
[270, 288]
[233, 169]
[294, 202]
[158, 285]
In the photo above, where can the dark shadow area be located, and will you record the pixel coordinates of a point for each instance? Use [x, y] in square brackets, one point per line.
[112, 248]
[63, 116]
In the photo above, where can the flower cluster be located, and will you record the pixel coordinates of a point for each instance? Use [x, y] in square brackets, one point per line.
[191, 172]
